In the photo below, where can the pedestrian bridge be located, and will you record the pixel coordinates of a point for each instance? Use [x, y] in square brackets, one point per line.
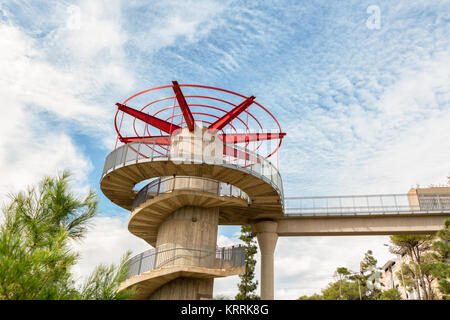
[380, 214]
[377, 204]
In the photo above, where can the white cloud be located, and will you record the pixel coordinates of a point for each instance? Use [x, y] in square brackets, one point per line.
[97, 29]
[399, 141]
[29, 147]
[224, 241]
[90, 44]
[305, 265]
[31, 83]
[174, 22]
[44, 101]
[25, 162]
[407, 141]
[106, 241]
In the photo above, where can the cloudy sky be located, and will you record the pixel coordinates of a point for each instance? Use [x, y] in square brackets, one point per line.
[365, 102]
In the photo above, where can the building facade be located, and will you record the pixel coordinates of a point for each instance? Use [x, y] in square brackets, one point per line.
[393, 277]
[420, 199]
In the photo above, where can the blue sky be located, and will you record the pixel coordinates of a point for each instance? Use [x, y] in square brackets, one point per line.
[365, 110]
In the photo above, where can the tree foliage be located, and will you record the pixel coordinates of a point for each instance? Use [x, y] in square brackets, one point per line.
[351, 285]
[247, 286]
[315, 296]
[390, 294]
[370, 275]
[341, 290]
[407, 276]
[35, 253]
[103, 282]
[439, 260]
[415, 246]
[222, 297]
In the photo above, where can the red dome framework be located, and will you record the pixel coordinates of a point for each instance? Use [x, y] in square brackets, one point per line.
[217, 109]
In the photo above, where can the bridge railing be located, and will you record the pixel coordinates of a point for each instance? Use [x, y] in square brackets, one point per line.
[367, 204]
[179, 255]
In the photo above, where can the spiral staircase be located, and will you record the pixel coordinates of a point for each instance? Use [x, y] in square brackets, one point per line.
[179, 211]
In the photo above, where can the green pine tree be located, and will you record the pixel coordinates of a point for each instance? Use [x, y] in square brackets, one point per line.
[35, 254]
[415, 246]
[341, 290]
[439, 266]
[391, 294]
[350, 285]
[370, 271]
[247, 286]
[314, 296]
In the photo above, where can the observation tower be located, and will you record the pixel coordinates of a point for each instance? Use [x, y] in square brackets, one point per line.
[189, 158]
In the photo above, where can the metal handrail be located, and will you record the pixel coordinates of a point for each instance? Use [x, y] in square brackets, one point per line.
[147, 150]
[367, 204]
[179, 255]
[169, 184]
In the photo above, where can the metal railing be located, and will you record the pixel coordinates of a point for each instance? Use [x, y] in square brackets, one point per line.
[148, 150]
[179, 255]
[367, 204]
[169, 184]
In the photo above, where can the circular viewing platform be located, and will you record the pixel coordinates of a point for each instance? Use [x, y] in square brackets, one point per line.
[170, 184]
[258, 181]
[152, 268]
[162, 196]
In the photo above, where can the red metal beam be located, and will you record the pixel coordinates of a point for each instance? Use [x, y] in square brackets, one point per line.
[247, 137]
[239, 154]
[236, 153]
[159, 140]
[183, 106]
[229, 116]
[151, 120]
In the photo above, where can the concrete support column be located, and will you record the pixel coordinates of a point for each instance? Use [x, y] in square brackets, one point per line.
[266, 233]
[179, 236]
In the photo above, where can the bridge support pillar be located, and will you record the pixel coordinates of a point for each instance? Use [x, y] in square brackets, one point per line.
[266, 233]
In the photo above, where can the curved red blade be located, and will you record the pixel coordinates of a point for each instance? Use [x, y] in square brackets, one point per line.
[151, 120]
[183, 106]
[247, 137]
[159, 140]
[229, 116]
[236, 153]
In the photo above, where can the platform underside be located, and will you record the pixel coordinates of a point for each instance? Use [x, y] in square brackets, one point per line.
[146, 218]
[147, 282]
[266, 202]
